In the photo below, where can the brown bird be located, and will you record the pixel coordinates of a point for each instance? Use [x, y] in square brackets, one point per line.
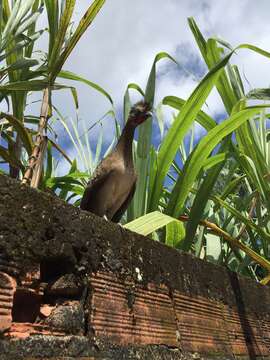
[113, 184]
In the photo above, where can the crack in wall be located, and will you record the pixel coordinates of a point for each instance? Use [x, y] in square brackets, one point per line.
[177, 322]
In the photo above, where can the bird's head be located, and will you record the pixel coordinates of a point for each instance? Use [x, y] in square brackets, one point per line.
[139, 113]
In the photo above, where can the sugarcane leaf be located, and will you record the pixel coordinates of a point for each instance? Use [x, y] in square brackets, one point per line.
[199, 155]
[53, 20]
[180, 126]
[19, 65]
[58, 41]
[127, 102]
[248, 222]
[202, 118]
[19, 10]
[144, 142]
[27, 41]
[214, 160]
[10, 158]
[33, 85]
[160, 119]
[149, 223]
[60, 150]
[49, 164]
[72, 76]
[84, 23]
[136, 87]
[259, 94]
[175, 233]
[21, 130]
[28, 22]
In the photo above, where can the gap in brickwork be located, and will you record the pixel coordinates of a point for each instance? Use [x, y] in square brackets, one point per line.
[26, 306]
[52, 268]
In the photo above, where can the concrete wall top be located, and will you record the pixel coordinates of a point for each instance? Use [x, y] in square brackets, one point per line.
[92, 281]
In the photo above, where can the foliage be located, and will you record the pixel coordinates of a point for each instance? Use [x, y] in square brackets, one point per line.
[17, 40]
[211, 199]
[236, 232]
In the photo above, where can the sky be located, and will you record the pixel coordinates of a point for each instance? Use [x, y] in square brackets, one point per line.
[122, 42]
[120, 45]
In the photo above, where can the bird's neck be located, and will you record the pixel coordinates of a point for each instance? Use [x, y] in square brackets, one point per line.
[124, 145]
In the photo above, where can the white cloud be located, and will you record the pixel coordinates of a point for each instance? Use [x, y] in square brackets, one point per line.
[120, 46]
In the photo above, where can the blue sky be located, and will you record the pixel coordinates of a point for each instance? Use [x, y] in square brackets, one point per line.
[120, 47]
[121, 44]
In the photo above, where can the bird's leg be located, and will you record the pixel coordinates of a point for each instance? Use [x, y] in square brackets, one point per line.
[105, 217]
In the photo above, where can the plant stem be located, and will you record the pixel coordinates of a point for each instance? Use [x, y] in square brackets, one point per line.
[33, 173]
[232, 241]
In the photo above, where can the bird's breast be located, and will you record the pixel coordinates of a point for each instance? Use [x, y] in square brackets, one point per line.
[118, 189]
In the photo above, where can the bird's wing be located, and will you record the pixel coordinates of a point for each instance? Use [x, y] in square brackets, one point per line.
[119, 213]
[100, 176]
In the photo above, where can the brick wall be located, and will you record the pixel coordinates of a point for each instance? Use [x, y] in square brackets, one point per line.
[73, 286]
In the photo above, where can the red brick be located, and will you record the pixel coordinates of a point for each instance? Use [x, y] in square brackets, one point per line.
[245, 333]
[7, 289]
[147, 318]
[201, 324]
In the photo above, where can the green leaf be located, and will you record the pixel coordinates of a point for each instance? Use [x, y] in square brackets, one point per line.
[214, 160]
[127, 105]
[224, 87]
[259, 94]
[149, 223]
[85, 22]
[151, 83]
[230, 188]
[49, 167]
[33, 85]
[144, 142]
[72, 76]
[175, 233]
[201, 199]
[27, 41]
[53, 18]
[200, 154]
[198, 37]
[20, 64]
[19, 10]
[28, 22]
[127, 102]
[136, 87]
[21, 130]
[213, 248]
[66, 188]
[70, 179]
[179, 128]
[60, 150]
[10, 158]
[202, 118]
[249, 223]
[58, 41]
[160, 119]
[37, 7]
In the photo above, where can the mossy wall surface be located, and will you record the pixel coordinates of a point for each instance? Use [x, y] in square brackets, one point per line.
[139, 298]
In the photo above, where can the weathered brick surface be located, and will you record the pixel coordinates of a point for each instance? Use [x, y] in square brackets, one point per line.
[202, 326]
[129, 314]
[7, 289]
[88, 289]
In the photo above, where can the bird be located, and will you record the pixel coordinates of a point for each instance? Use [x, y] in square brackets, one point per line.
[113, 184]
